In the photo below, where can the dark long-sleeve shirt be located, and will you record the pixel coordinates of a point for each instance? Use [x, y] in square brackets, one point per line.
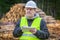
[42, 33]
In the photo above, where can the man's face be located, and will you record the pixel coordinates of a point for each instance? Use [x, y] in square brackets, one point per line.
[30, 12]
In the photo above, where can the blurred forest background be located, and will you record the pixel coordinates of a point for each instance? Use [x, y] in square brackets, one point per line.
[51, 7]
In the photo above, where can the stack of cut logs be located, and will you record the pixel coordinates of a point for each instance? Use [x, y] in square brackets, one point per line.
[17, 11]
[54, 30]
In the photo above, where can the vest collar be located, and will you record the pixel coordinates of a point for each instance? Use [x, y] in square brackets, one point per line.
[36, 15]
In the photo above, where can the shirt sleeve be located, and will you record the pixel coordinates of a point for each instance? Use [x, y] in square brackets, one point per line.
[17, 31]
[43, 32]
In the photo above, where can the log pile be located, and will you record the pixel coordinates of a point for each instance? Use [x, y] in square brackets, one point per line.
[16, 12]
[47, 18]
[6, 32]
[54, 30]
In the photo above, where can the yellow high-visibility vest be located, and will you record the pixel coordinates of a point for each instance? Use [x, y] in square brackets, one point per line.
[35, 24]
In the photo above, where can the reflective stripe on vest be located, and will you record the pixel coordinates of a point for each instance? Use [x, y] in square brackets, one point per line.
[29, 35]
[35, 24]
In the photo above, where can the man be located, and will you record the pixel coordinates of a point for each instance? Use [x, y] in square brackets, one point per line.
[33, 20]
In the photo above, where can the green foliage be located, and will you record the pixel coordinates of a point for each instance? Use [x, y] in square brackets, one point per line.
[51, 7]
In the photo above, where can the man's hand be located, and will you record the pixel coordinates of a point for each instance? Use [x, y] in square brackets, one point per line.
[33, 31]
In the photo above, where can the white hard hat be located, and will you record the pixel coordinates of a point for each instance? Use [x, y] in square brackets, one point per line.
[31, 4]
